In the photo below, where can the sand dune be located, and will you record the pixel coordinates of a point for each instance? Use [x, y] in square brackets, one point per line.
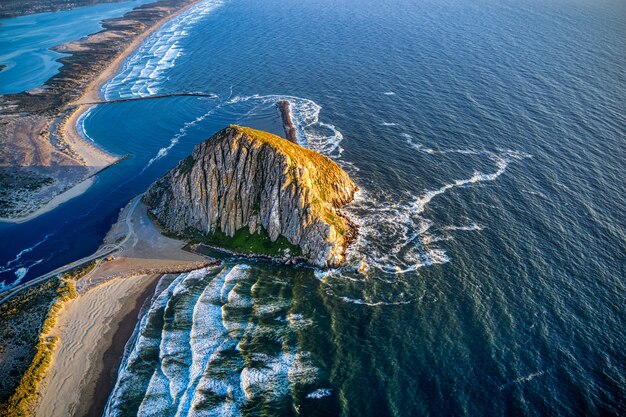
[85, 327]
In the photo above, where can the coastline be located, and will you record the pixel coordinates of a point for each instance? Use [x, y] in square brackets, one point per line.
[56, 201]
[93, 328]
[56, 103]
[85, 328]
[97, 394]
[92, 91]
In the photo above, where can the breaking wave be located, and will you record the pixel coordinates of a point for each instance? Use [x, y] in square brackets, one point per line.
[395, 237]
[197, 350]
[20, 268]
[144, 71]
[312, 133]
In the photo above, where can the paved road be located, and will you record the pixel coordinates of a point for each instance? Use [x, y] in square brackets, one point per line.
[101, 253]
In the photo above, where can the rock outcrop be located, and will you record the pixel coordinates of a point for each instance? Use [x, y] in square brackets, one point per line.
[243, 177]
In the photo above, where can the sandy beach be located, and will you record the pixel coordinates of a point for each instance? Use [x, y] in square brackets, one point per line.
[40, 142]
[85, 328]
[93, 156]
[94, 327]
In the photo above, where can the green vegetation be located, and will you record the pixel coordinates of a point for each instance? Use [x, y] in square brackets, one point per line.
[26, 320]
[186, 164]
[80, 271]
[21, 320]
[15, 184]
[22, 401]
[246, 242]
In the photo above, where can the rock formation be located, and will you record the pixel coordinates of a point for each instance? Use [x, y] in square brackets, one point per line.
[243, 177]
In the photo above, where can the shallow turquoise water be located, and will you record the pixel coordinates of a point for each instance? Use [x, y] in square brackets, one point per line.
[25, 41]
[488, 140]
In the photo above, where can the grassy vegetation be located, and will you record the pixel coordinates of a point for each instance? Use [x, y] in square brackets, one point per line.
[21, 403]
[21, 320]
[14, 184]
[246, 242]
[80, 271]
[46, 299]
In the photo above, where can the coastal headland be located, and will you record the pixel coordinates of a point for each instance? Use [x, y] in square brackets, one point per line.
[42, 155]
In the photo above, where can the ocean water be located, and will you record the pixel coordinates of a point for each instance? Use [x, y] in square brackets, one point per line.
[25, 41]
[488, 140]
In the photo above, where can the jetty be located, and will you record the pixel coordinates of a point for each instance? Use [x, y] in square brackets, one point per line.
[153, 97]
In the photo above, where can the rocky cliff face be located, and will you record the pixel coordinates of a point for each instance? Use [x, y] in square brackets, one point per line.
[243, 177]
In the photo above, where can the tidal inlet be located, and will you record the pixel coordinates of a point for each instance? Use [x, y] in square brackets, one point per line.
[326, 208]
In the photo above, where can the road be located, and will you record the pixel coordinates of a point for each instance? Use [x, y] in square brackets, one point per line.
[100, 253]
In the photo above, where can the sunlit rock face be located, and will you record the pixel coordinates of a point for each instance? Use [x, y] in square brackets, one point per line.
[243, 177]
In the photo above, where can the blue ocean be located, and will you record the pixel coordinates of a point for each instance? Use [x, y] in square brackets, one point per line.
[488, 139]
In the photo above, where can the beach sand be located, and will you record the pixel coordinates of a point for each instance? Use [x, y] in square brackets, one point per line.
[30, 144]
[88, 327]
[94, 327]
[93, 156]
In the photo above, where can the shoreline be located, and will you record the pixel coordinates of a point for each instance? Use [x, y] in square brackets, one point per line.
[112, 356]
[93, 328]
[85, 328]
[89, 155]
[88, 151]
[56, 201]
[63, 197]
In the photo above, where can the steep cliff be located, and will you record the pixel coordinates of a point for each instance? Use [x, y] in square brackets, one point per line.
[247, 181]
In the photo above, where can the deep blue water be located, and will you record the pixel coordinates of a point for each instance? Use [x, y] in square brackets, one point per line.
[488, 138]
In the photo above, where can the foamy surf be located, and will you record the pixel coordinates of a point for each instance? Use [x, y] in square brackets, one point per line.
[20, 268]
[143, 73]
[197, 349]
[395, 236]
[312, 133]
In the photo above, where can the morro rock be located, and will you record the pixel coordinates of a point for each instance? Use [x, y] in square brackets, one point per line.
[247, 181]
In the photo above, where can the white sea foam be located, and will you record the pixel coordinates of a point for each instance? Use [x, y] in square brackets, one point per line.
[523, 379]
[200, 372]
[268, 378]
[237, 273]
[125, 384]
[21, 267]
[395, 236]
[319, 393]
[143, 73]
[310, 131]
[182, 132]
[468, 228]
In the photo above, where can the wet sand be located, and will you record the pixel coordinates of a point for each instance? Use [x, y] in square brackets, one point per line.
[85, 328]
[112, 357]
[94, 327]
